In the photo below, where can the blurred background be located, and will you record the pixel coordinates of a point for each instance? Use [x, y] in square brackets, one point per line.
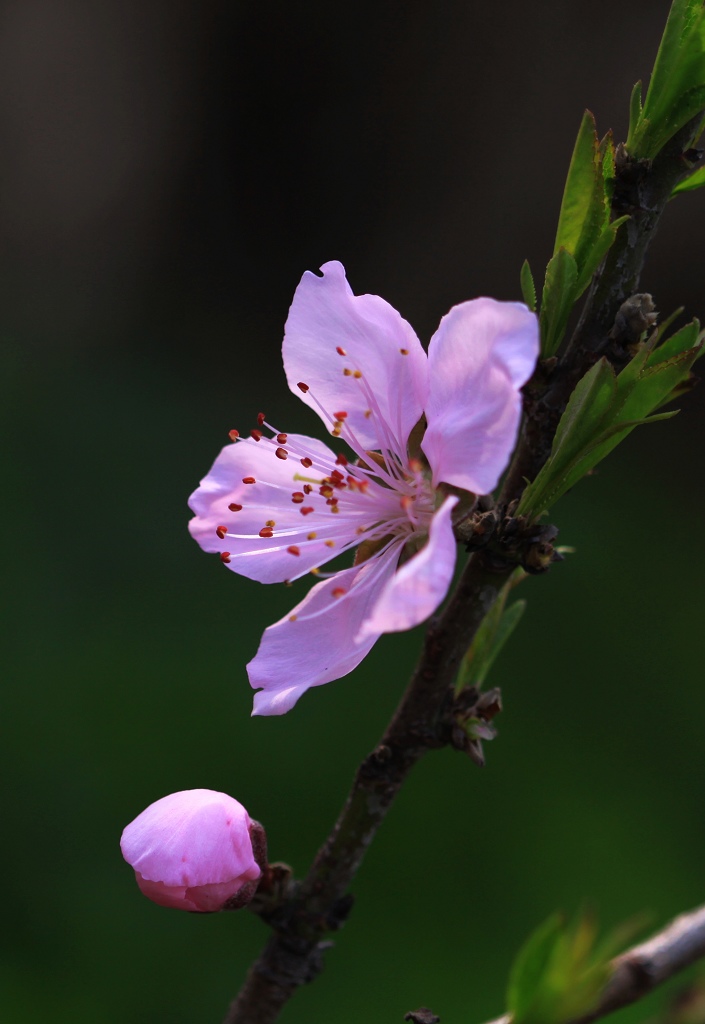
[168, 171]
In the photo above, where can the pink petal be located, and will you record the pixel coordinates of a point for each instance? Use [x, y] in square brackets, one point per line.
[326, 316]
[318, 642]
[480, 356]
[192, 838]
[269, 499]
[419, 585]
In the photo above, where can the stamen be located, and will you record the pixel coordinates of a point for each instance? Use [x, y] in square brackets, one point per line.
[292, 618]
[368, 413]
[404, 351]
[315, 572]
[225, 556]
[281, 438]
[329, 543]
[306, 510]
[326, 491]
[261, 418]
[306, 462]
[221, 531]
[293, 550]
[248, 480]
[307, 488]
[340, 351]
[338, 591]
[233, 434]
[266, 532]
[302, 387]
[341, 461]
[234, 507]
[357, 374]
[256, 435]
[270, 522]
[282, 453]
[311, 536]
[347, 372]
[297, 497]
[340, 415]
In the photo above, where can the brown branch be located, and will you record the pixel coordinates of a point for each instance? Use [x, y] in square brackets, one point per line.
[423, 721]
[640, 970]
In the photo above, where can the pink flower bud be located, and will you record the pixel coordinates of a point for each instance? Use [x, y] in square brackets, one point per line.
[193, 851]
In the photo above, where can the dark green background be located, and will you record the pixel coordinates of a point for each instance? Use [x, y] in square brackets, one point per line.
[168, 172]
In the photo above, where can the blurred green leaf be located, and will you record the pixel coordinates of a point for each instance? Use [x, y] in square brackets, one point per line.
[495, 629]
[558, 974]
[597, 253]
[605, 408]
[696, 180]
[676, 92]
[557, 300]
[528, 288]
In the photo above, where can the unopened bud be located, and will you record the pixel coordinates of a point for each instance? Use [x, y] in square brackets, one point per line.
[193, 850]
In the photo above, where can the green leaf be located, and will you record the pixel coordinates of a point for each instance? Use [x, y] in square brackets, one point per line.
[495, 629]
[635, 108]
[529, 968]
[557, 300]
[604, 409]
[676, 92]
[558, 974]
[528, 288]
[594, 258]
[578, 194]
[696, 180]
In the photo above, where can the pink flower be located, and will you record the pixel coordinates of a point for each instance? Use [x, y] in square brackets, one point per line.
[277, 507]
[193, 851]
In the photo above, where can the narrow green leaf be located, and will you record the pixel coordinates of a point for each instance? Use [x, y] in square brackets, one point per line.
[529, 968]
[495, 629]
[696, 180]
[597, 254]
[606, 156]
[557, 300]
[528, 288]
[579, 187]
[635, 108]
[687, 337]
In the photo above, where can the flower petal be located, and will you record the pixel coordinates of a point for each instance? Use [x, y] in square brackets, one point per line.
[419, 586]
[316, 642]
[480, 356]
[389, 396]
[269, 499]
[195, 837]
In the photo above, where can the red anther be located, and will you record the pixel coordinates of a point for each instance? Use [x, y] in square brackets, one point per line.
[406, 501]
[293, 550]
[225, 556]
[302, 387]
[248, 480]
[270, 522]
[351, 481]
[404, 351]
[332, 501]
[282, 453]
[306, 510]
[311, 536]
[261, 418]
[341, 461]
[306, 462]
[234, 507]
[340, 415]
[297, 497]
[338, 591]
[415, 466]
[256, 435]
[329, 543]
[340, 351]
[347, 372]
[233, 434]
[221, 531]
[336, 477]
[266, 531]
[326, 490]
[308, 488]
[357, 374]
[281, 438]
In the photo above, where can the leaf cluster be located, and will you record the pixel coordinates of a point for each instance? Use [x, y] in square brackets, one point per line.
[676, 92]
[494, 631]
[561, 970]
[605, 407]
[584, 236]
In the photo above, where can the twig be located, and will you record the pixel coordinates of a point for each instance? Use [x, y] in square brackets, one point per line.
[640, 970]
[422, 722]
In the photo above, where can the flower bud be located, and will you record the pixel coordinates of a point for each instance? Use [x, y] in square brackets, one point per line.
[193, 851]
